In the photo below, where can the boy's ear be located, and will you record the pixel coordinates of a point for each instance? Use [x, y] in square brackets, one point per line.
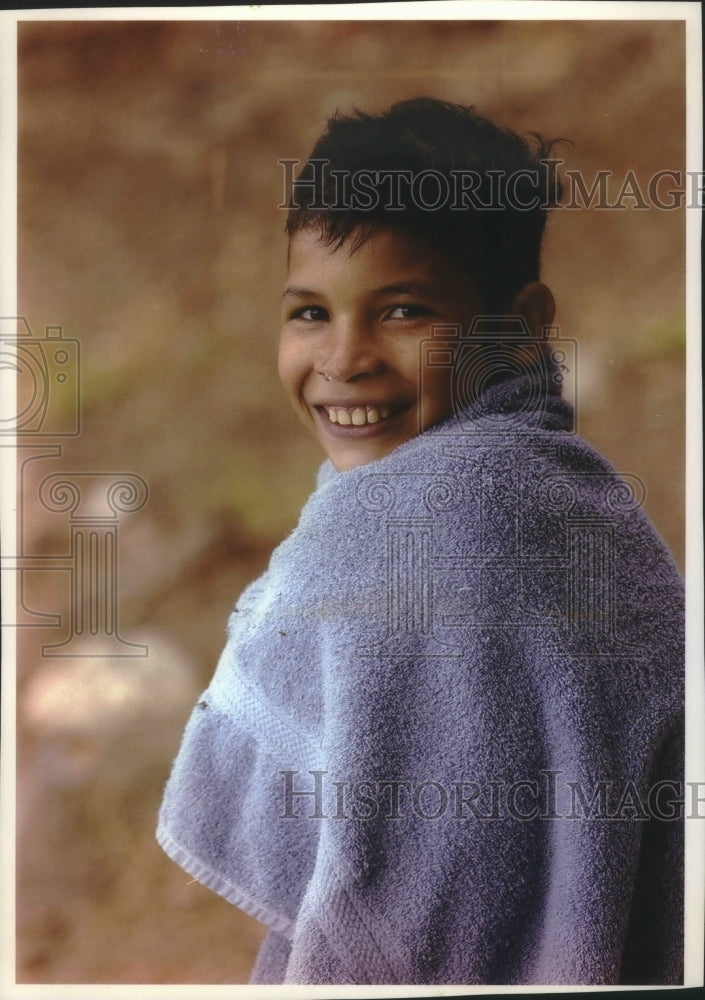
[536, 304]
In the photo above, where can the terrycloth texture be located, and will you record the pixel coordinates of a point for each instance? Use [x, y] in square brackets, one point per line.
[469, 655]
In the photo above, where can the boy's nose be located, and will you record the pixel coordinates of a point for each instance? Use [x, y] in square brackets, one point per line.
[349, 353]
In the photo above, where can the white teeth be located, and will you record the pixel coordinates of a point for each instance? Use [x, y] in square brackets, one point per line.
[358, 416]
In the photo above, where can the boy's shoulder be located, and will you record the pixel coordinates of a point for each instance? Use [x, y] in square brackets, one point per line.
[527, 493]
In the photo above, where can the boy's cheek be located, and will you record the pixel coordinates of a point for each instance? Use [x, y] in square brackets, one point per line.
[435, 395]
[292, 378]
[290, 370]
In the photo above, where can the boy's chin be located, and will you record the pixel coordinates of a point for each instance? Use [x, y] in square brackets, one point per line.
[356, 462]
[353, 456]
[354, 452]
[361, 453]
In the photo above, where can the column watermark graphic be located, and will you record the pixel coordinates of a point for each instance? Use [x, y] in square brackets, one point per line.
[409, 559]
[419, 577]
[43, 374]
[541, 548]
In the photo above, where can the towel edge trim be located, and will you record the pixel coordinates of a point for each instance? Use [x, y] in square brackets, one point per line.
[232, 893]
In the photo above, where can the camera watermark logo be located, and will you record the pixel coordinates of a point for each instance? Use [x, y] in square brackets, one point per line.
[494, 349]
[41, 381]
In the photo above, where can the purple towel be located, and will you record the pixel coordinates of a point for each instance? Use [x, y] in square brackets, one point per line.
[444, 740]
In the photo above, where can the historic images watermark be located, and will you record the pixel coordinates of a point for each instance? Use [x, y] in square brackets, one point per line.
[551, 795]
[459, 190]
[43, 378]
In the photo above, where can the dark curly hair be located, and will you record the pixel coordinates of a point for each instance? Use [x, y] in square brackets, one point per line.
[441, 172]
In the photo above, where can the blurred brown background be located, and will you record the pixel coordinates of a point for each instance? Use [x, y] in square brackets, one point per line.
[149, 229]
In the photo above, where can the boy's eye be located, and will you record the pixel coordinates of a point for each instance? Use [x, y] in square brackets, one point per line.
[407, 310]
[312, 314]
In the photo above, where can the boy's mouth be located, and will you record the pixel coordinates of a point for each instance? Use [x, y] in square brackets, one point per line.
[361, 416]
[357, 416]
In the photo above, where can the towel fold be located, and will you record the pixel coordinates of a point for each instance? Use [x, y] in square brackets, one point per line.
[444, 741]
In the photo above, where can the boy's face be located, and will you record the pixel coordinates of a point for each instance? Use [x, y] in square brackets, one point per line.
[352, 324]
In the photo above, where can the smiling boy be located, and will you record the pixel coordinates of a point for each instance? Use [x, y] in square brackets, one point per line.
[366, 283]
[436, 746]
[353, 322]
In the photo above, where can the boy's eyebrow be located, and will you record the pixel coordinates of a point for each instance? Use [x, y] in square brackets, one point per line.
[411, 287]
[294, 292]
[398, 288]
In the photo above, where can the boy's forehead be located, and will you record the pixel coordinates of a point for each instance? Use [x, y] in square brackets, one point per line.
[386, 247]
[388, 260]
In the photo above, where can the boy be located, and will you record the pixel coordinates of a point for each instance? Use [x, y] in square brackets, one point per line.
[443, 743]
